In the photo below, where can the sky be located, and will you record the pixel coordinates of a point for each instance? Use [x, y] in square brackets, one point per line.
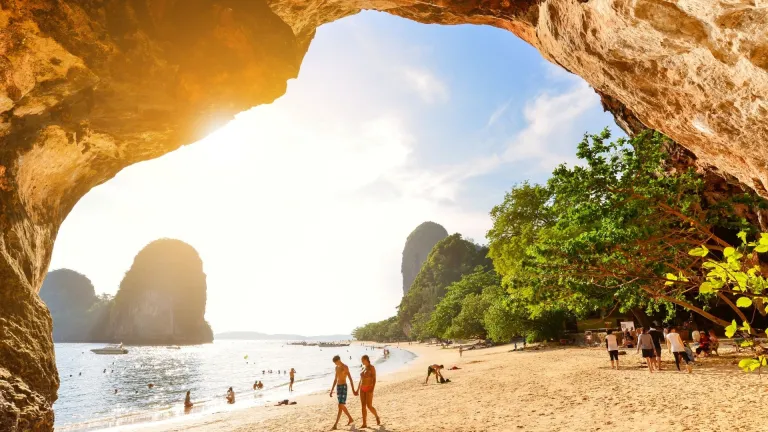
[300, 209]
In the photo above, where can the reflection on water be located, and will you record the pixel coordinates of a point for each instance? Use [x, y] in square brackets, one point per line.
[87, 397]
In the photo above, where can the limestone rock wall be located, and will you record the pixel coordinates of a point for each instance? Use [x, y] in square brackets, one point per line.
[88, 87]
[416, 250]
[161, 299]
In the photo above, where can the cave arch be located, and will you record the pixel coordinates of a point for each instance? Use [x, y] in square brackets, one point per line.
[88, 88]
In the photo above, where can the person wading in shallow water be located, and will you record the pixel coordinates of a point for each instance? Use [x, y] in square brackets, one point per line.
[340, 384]
[366, 386]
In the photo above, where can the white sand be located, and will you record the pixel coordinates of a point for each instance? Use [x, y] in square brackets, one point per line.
[559, 389]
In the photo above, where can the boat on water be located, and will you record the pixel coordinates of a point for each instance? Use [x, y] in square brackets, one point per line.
[173, 347]
[332, 345]
[111, 349]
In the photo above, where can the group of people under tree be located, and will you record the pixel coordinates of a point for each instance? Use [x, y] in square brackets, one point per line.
[649, 341]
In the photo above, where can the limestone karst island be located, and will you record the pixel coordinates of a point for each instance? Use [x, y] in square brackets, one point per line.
[282, 215]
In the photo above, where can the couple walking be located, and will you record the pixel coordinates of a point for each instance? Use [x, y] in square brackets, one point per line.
[366, 386]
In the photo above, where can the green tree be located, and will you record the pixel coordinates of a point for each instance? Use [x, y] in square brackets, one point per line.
[451, 304]
[612, 229]
[449, 260]
[468, 324]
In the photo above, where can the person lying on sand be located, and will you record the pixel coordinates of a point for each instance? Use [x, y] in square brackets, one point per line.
[434, 369]
[366, 386]
[340, 384]
[230, 396]
[285, 402]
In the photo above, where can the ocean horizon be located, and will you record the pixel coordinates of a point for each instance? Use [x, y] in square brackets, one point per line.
[88, 400]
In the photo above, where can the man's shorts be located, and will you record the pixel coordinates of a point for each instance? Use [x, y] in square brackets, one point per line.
[614, 354]
[341, 393]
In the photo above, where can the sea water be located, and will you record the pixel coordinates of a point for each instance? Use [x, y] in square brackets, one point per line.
[87, 398]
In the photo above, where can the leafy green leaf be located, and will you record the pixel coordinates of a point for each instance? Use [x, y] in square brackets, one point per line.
[744, 302]
[700, 251]
[731, 329]
[762, 248]
[741, 279]
[743, 236]
[746, 327]
[744, 363]
[728, 251]
[706, 288]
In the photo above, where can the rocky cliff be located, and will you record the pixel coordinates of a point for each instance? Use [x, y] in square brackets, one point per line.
[417, 246]
[88, 87]
[73, 304]
[161, 299]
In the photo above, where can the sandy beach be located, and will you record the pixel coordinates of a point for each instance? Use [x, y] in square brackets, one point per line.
[551, 389]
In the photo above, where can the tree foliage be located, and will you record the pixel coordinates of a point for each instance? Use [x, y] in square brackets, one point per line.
[449, 260]
[388, 330]
[612, 231]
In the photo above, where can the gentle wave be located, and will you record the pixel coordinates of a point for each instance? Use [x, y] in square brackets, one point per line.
[88, 402]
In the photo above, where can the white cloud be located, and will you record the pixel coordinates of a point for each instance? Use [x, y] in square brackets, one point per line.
[554, 124]
[497, 113]
[426, 84]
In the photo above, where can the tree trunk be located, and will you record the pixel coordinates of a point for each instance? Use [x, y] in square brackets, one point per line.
[641, 317]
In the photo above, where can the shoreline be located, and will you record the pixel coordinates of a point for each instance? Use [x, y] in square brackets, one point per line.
[261, 412]
[549, 389]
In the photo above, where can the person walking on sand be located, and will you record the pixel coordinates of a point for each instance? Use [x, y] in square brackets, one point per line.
[434, 369]
[340, 384]
[677, 348]
[613, 348]
[365, 388]
[290, 386]
[657, 337]
[645, 343]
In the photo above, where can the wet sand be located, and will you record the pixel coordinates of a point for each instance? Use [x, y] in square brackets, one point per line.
[556, 389]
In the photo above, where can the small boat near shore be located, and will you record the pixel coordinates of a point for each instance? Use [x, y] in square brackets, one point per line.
[173, 347]
[111, 349]
[331, 345]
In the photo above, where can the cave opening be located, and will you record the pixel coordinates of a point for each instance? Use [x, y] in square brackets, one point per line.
[389, 123]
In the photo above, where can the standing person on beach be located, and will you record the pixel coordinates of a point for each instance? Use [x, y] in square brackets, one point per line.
[290, 386]
[613, 348]
[365, 388]
[657, 337]
[645, 343]
[461, 350]
[677, 348]
[340, 384]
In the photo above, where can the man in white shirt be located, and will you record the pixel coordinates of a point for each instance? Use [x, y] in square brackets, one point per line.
[677, 348]
[613, 348]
